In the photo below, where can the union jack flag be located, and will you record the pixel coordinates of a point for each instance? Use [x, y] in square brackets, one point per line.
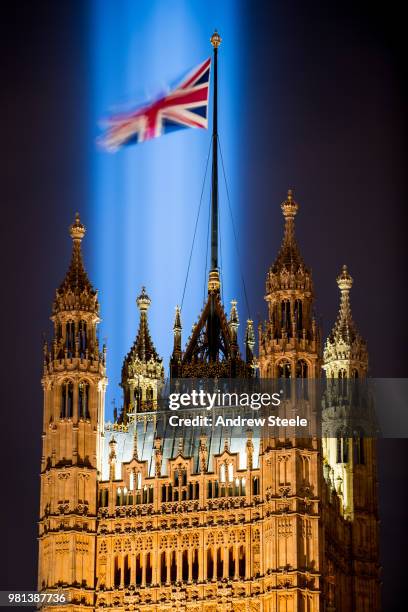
[184, 107]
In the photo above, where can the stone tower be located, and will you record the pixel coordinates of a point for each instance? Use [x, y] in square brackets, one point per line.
[289, 343]
[74, 385]
[350, 468]
[289, 348]
[142, 371]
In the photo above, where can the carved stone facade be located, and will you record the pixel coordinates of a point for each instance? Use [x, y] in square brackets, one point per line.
[131, 520]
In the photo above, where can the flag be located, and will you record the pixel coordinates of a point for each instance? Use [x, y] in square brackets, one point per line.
[186, 106]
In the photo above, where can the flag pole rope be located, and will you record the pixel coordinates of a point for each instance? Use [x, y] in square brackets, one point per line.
[195, 228]
[234, 231]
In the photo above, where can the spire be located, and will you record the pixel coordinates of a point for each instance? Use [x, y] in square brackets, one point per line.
[345, 327]
[142, 371]
[289, 255]
[143, 347]
[345, 349]
[76, 291]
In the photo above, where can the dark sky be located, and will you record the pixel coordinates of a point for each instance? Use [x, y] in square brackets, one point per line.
[322, 111]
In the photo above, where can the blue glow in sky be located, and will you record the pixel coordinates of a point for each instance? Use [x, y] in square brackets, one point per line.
[145, 198]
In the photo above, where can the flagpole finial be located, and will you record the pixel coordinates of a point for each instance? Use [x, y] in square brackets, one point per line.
[216, 39]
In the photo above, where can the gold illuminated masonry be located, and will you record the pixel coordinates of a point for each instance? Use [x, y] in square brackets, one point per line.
[133, 520]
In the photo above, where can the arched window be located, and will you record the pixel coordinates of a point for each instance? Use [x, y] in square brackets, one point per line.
[126, 571]
[185, 565]
[163, 568]
[67, 400]
[342, 382]
[299, 315]
[117, 573]
[210, 564]
[231, 562]
[149, 397]
[230, 472]
[139, 481]
[136, 398]
[284, 369]
[149, 570]
[342, 449]
[70, 337]
[139, 570]
[285, 315]
[301, 369]
[358, 448]
[241, 562]
[83, 400]
[195, 565]
[82, 333]
[220, 564]
[222, 472]
[173, 566]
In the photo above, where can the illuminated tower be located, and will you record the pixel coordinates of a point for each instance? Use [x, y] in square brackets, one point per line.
[74, 384]
[350, 467]
[289, 343]
[289, 348]
[142, 372]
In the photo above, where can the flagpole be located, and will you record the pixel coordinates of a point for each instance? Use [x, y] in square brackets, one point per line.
[214, 281]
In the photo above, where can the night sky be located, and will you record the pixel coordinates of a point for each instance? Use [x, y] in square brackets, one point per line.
[323, 101]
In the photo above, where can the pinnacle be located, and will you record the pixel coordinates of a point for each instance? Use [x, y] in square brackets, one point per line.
[143, 347]
[76, 281]
[289, 256]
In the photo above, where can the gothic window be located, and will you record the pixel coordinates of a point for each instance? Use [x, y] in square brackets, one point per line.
[220, 564]
[195, 564]
[358, 448]
[241, 562]
[243, 487]
[149, 569]
[82, 337]
[163, 568]
[185, 565]
[139, 570]
[301, 369]
[342, 449]
[284, 369]
[210, 564]
[67, 399]
[173, 566]
[285, 315]
[136, 398]
[83, 400]
[70, 337]
[116, 573]
[139, 481]
[149, 397]
[230, 472]
[222, 472]
[132, 480]
[231, 562]
[299, 315]
[342, 382]
[255, 485]
[126, 571]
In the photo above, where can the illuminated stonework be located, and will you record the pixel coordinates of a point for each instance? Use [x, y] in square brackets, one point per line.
[133, 521]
